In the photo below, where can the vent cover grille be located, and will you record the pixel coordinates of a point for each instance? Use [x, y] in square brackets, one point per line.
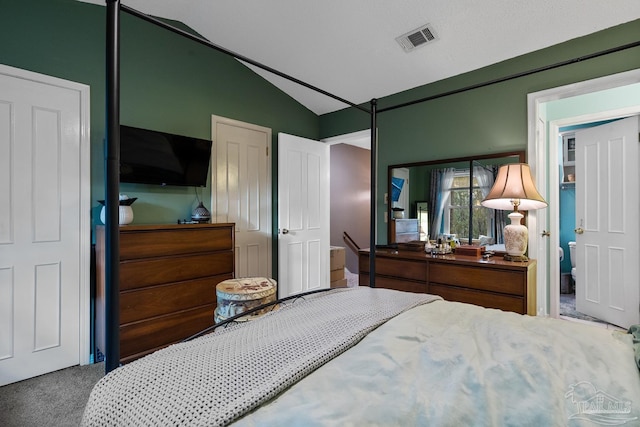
[417, 38]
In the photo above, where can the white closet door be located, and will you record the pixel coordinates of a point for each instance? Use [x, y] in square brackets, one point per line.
[241, 191]
[43, 272]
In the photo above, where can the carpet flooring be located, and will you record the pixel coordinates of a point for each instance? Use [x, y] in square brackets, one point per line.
[55, 399]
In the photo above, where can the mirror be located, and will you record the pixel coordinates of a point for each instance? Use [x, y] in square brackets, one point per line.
[440, 199]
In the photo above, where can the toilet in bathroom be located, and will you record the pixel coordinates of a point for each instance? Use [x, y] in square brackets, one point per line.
[572, 256]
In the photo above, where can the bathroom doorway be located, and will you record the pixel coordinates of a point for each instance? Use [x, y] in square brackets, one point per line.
[567, 222]
[549, 111]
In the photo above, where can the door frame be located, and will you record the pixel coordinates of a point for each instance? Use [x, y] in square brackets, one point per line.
[554, 131]
[84, 185]
[540, 155]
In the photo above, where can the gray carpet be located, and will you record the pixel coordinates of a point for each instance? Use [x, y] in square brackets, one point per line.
[55, 399]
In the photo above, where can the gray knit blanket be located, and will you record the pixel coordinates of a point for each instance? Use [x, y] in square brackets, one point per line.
[219, 377]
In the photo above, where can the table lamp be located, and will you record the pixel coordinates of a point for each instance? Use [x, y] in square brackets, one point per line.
[514, 189]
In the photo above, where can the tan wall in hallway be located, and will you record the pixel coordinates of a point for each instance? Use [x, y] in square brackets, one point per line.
[350, 198]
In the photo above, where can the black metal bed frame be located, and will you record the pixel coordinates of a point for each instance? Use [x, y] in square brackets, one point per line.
[255, 309]
[112, 151]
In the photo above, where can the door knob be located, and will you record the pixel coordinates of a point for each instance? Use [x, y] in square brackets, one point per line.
[546, 233]
[285, 231]
[579, 230]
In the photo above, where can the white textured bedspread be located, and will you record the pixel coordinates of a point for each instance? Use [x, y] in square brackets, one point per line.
[452, 364]
[215, 379]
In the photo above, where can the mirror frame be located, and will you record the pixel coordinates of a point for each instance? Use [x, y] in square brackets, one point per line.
[521, 159]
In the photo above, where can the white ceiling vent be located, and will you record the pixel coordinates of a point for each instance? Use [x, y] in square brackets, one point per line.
[417, 38]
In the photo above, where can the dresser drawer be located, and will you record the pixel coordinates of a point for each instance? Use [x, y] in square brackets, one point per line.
[484, 299]
[137, 244]
[363, 279]
[155, 271]
[477, 277]
[152, 334]
[412, 270]
[398, 285]
[159, 300]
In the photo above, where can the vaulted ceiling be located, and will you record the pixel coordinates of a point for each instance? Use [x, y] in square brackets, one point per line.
[349, 47]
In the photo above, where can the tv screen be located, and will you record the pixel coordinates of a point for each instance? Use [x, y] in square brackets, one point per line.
[152, 157]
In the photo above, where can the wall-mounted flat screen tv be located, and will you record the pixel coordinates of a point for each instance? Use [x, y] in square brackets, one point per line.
[152, 157]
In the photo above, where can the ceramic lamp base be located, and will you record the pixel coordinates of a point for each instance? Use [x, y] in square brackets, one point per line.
[516, 237]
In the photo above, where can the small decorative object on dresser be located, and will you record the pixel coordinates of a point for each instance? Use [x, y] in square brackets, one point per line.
[200, 214]
[470, 250]
[125, 212]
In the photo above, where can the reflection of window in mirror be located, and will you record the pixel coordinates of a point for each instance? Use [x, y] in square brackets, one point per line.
[422, 213]
[487, 224]
[465, 217]
[462, 215]
[457, 213]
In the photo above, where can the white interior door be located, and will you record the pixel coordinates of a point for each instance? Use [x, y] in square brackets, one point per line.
[303, 215]
[44, 221]
[607, 236]
[241, 187]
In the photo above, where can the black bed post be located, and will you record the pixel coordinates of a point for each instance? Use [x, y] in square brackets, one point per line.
[374, 185]
[112, 189]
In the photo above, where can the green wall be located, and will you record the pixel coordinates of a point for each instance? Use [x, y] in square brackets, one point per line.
[481, 121]
[175, 85]
[168, 83]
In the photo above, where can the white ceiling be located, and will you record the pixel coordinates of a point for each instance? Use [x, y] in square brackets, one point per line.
[348, 47]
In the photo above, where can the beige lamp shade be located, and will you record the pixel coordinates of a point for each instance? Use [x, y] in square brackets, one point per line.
[514, 189]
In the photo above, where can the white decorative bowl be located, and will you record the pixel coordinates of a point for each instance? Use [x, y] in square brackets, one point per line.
[125, 215]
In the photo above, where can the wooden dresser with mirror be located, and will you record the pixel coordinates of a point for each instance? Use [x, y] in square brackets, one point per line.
[443, 198]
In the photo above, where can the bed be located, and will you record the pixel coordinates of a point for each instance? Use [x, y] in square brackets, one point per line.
[379, 357]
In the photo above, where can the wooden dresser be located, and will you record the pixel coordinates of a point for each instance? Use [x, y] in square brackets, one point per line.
[168, 278]
[493, 283]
